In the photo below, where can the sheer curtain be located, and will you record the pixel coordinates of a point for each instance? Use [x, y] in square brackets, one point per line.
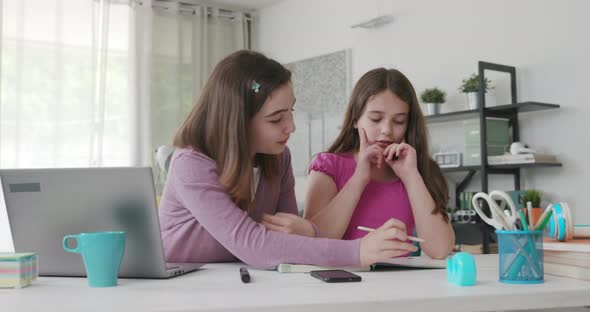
[177, 45]
[103, 82]
[64, 92]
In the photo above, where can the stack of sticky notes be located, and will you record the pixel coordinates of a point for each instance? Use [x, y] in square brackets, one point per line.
[17, 270]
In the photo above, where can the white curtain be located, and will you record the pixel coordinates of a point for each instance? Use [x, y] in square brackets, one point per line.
[104, 82]
[183, 44]
[64, 92]
[186, 42]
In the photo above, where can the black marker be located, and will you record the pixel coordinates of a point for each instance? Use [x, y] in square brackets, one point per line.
[244, 275]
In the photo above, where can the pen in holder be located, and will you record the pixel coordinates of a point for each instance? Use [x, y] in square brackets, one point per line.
[521, 257]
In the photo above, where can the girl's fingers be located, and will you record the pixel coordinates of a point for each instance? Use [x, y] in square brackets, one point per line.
[392, 151]
[397, 245]
[277, 220]
[386, 254]
[285, 215]
[395, 233]
[386, 150]
[393, 223]
[272, 227]
[403, 147]
[375, 155]
[363, 137]
[265, 217]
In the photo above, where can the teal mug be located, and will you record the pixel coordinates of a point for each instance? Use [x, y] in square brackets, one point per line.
[102, 253]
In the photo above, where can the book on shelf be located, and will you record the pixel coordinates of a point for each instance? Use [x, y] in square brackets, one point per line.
[569, 259]
[509, 159]
[581, 259]
[567, 270]
[575, 245]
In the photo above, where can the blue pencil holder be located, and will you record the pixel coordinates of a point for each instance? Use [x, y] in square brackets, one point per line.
[520, 255]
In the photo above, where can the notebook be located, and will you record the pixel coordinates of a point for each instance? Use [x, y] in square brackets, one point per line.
[306, 268]
[420, 262]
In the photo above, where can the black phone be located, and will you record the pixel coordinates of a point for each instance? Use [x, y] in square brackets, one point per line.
[335, 276]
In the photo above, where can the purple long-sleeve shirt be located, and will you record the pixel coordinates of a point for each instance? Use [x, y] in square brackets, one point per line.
[201, 223]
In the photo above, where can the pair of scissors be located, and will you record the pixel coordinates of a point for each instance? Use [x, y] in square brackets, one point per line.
[500, 219]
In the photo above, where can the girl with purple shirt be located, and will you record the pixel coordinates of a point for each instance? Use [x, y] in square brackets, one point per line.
[229, 193]
[379, 168]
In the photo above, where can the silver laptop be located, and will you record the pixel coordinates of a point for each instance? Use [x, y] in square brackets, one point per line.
[44, 205]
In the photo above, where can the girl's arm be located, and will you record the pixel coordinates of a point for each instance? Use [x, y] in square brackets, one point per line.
[329, 209]
[286, 218]
[196, 185]
[438, 234]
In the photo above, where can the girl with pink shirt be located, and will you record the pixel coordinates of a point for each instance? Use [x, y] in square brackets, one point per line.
[379, 169]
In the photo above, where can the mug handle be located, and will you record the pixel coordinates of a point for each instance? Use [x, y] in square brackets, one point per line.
[65, 244]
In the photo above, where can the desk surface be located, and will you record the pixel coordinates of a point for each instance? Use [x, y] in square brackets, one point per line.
[217, 287]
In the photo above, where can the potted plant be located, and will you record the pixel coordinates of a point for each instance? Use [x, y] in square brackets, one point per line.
[433, 98]
[534, 197]
[470, 86]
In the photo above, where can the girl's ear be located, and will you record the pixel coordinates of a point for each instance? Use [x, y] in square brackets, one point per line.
[354, 124]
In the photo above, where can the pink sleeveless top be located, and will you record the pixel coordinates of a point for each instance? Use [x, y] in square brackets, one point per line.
[379, 202]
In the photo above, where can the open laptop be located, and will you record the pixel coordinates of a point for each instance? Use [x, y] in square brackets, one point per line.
[44, 205]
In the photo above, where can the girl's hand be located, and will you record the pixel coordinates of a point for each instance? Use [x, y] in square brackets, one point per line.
[386, 242]
[406, 163]
[368, 156]
[288, 223]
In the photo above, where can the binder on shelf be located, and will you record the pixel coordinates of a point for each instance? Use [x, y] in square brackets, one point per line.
[509, 159]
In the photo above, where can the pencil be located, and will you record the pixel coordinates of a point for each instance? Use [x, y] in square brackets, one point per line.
[412, 238]
[543, 223]
[543, 216]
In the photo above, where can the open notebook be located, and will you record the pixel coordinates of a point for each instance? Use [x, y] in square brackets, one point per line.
[420, 262]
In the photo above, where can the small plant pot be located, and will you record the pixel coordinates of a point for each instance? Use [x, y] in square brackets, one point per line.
[432, 108]
[472, 100]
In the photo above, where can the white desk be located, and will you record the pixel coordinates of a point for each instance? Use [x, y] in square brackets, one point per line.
[217, 287]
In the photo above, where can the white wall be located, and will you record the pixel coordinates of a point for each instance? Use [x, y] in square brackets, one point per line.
[437, 43]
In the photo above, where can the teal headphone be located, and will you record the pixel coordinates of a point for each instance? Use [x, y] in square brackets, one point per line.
[561, 224]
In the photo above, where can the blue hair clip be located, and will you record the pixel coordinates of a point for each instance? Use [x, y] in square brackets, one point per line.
[255, 86]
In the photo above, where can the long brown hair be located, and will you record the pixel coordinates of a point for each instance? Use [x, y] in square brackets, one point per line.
[218, 125]
[372, 83]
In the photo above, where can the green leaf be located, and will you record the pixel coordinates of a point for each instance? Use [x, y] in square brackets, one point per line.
[434, 95]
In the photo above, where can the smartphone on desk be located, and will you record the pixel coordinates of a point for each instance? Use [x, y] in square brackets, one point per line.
[335, 276]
